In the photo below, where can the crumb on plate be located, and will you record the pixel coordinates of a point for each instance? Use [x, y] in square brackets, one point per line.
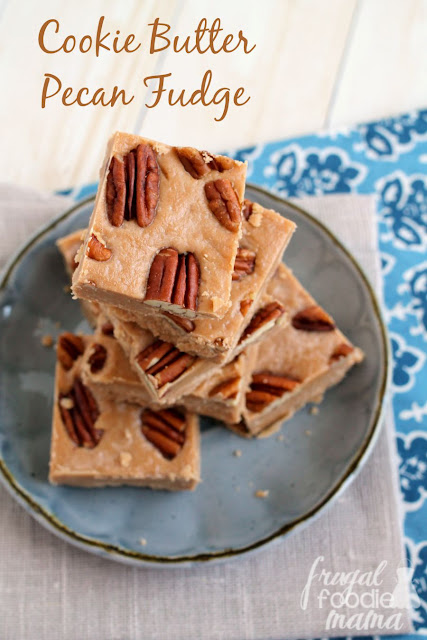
[262, 493]
[47, 340]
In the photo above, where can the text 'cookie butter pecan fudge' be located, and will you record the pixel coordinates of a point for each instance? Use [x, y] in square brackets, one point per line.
[297, 363]
[266, 235]
[97, 441]
[164, 231]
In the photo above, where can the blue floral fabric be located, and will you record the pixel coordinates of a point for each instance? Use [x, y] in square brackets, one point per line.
[388, 158]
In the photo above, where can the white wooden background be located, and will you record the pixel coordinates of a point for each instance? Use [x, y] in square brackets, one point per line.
[317, 63]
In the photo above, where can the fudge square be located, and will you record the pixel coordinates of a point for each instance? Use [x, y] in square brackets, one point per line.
[97, 441]
[298, 363]
[107, 371]
[165, 229]
[166, 372]
[266, 235]
[222, 396]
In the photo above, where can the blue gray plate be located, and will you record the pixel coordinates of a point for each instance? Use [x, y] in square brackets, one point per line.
[222, 518]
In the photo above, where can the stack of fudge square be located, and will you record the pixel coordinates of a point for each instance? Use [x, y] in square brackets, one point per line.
[194, 313]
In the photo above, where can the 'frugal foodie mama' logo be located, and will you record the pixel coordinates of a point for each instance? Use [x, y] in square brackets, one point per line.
[340, 592]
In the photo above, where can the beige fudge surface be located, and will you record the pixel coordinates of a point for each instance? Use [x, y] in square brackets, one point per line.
[265, 236]
[97, 441]
[166, 372]
[297, 363]
[68, 247]
[162, 232]
[222, 395]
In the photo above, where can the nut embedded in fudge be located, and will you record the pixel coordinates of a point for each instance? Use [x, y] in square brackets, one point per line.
[296, 364]
[164, 231]
[97, 441]
[222, 395]
[265, 237]
[166, 372]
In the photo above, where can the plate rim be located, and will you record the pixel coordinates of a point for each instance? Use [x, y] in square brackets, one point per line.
[136, 558]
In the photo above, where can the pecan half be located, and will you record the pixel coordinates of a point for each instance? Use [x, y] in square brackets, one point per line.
[97, 358]
[133, 187]
[116, 192]
[313, 318]
[163, 362]
[267, 315]
[266, 388]
[146, 185]
[185, 324]
[228, 389]
[224, 203]
[96, 250]
[247, 208]
[341, 351]
[79, 413]
[199, 163]
[244, 264]
[165, 430]
[174, 278]
[193, 162]
[69, 348]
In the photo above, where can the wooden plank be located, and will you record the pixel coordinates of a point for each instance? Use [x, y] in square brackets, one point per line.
[64, 146]
[386, 66]
[289, 76]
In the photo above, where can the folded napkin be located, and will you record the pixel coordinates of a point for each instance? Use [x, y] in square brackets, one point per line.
[52, 591]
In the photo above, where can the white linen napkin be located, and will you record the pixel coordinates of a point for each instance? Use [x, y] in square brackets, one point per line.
[50, 590]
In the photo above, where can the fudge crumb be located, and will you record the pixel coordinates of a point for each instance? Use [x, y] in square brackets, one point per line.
[57, 325]
[125, 458]
[308, 433]
[280, 437]
[237, 453]
[237, 489]
[250, 484]
[79, 255]
[67, 288]
[142, 542]
[66, 403]
[255, 219]
[262, 493]
[47, 340]
[313, 411]
[216, 303]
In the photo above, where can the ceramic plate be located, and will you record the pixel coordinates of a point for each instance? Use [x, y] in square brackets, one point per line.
[222, 518]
